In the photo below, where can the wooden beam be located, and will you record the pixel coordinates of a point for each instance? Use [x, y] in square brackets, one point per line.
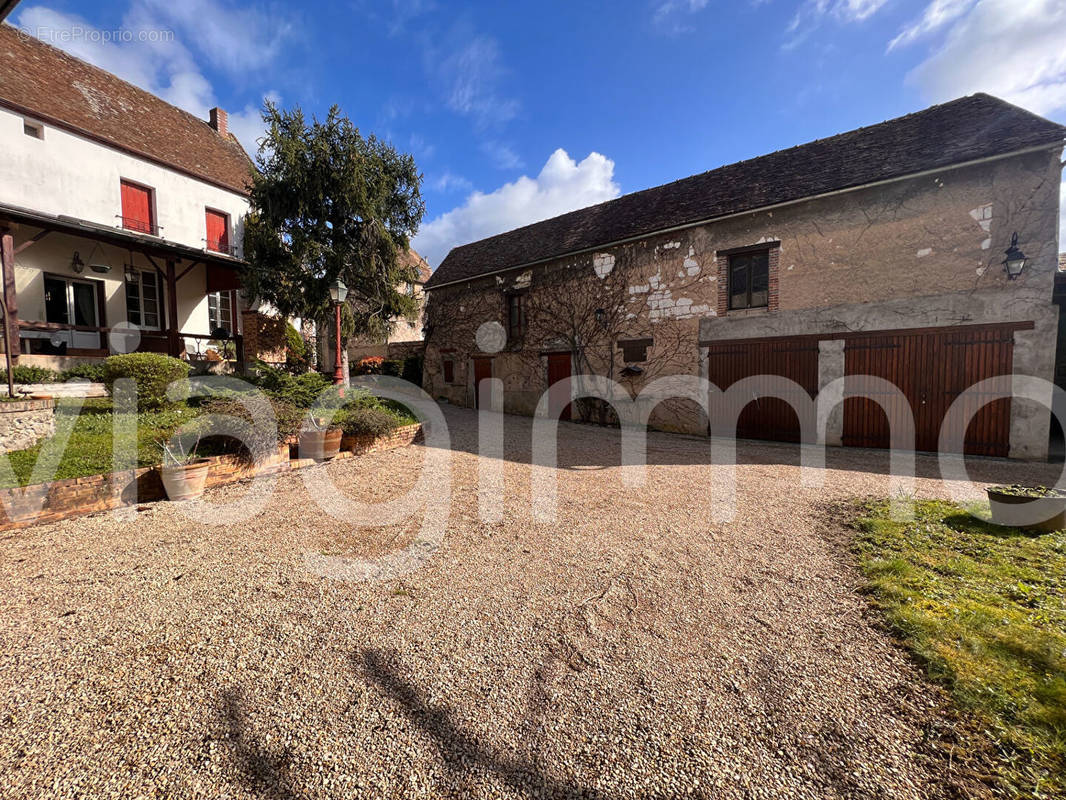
[11, 308]
[32, 241]
[186, 271]
[172, 309]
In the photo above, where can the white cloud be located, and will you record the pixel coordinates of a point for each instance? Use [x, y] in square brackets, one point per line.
[668, 14]
[812, 13]
[471, 75]
[937, 14]
[448, 181]
[562, 185]
[1015, 49]
[502, 155]
[238, 40]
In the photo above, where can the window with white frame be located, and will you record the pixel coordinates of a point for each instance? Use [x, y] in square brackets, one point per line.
[220, 311]
[144, 298]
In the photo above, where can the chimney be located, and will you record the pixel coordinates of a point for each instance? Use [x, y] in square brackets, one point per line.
[220, 121]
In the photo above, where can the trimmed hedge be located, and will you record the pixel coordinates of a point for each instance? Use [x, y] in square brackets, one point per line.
[367, 422]
[151, 372]
[31, 374]
[89, 372]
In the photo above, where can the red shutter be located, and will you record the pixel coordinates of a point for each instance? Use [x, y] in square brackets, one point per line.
[137, 208]
[217, 231]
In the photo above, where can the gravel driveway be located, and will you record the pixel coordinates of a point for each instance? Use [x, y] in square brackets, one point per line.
[633, 649]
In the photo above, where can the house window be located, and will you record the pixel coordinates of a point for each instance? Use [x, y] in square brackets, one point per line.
[449, 371]
[34, 129]
[749, 279]
[138, 212]
[634, 350]
[516, 316]
[217, 231]
[144, 299]
[220, 312]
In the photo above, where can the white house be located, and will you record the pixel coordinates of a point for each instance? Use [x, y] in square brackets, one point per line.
[121, 216]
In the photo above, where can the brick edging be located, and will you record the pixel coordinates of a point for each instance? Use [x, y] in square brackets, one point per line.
[90, 494]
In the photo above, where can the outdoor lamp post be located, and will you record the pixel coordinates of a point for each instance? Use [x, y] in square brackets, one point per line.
[337, 292]
[1015, 261]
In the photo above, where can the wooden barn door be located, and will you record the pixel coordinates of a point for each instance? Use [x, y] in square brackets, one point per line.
[558, 398]
[482, 371]
[768, 417]
[931, 369]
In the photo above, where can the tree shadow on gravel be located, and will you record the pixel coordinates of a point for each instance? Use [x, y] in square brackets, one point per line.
[264, 773]
[457, 747]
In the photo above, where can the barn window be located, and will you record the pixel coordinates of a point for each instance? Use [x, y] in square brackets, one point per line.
[634, 350]
[516, 316]
[449, 371]
[749, 279]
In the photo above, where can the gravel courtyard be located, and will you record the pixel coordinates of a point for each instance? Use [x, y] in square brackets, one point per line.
[631, 649]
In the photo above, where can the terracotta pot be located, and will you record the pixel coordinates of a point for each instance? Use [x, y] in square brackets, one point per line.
[320, 445]
[185, 482]
[1039, 513]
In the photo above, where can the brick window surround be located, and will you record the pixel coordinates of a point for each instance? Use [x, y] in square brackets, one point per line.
[722, 264]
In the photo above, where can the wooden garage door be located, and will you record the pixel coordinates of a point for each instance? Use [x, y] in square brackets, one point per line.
[767, 417]
[931, 369]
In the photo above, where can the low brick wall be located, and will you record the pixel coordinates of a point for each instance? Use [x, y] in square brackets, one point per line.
[360, 445]
[24, 422]
[51, 502]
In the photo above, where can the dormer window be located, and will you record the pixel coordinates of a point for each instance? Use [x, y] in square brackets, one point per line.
[138, 208]
[218, 231]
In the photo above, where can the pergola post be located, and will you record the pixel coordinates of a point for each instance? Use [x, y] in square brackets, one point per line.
[11, 309]
[172, 310]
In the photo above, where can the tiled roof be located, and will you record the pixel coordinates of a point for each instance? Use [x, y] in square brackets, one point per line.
[412, 259]
[43, 81]
[963, 130]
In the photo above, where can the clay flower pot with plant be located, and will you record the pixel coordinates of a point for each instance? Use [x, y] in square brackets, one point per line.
[184, 474]
[319, 440]
[1036, 507]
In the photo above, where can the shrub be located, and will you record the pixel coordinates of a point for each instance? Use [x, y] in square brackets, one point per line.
[246, 433]
[28, 374]
[300, 390]
[368, 422]
[392, 366]
[297, 359]
[369, 366]
[151, 372]
[89, 372]
[412, 370]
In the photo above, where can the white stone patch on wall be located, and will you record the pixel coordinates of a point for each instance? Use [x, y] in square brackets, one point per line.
[671, 245]
[603, 263]
[691, 265]
[639, 289]
[982, 215]
[981, 270]
[924, 252]
[524, 280]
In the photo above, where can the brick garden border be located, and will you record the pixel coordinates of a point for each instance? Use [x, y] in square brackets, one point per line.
[75, 497]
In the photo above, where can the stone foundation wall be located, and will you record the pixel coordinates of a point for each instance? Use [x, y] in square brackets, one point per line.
[25, 422]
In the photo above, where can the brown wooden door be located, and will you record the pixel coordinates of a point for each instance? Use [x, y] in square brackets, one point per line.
[768, 417]
[931, 369]
[558, 397]
[482, 371]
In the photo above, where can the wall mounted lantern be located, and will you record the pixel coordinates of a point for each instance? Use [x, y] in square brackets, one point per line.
[1015, 261]
[76, 264]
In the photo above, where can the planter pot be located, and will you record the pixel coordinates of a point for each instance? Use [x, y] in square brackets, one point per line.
[320, 445]
[185, 482]
[1039, 513]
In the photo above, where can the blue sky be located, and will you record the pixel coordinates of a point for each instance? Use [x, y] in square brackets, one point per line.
[520, 111]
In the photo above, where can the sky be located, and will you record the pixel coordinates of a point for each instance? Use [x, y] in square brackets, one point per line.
[517, 112]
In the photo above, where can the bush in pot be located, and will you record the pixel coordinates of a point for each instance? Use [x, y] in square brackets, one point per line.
[184, 474]
[1036, 507]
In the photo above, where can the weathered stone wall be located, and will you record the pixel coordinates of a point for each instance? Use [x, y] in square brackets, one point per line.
[912, 253]
[264, 337]
[25, 422]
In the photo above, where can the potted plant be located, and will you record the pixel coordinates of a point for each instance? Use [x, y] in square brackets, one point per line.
[184, 474]
[1035, 507]
[319, 440]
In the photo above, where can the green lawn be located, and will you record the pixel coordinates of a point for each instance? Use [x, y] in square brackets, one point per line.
[91, 444]
[984, 609]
